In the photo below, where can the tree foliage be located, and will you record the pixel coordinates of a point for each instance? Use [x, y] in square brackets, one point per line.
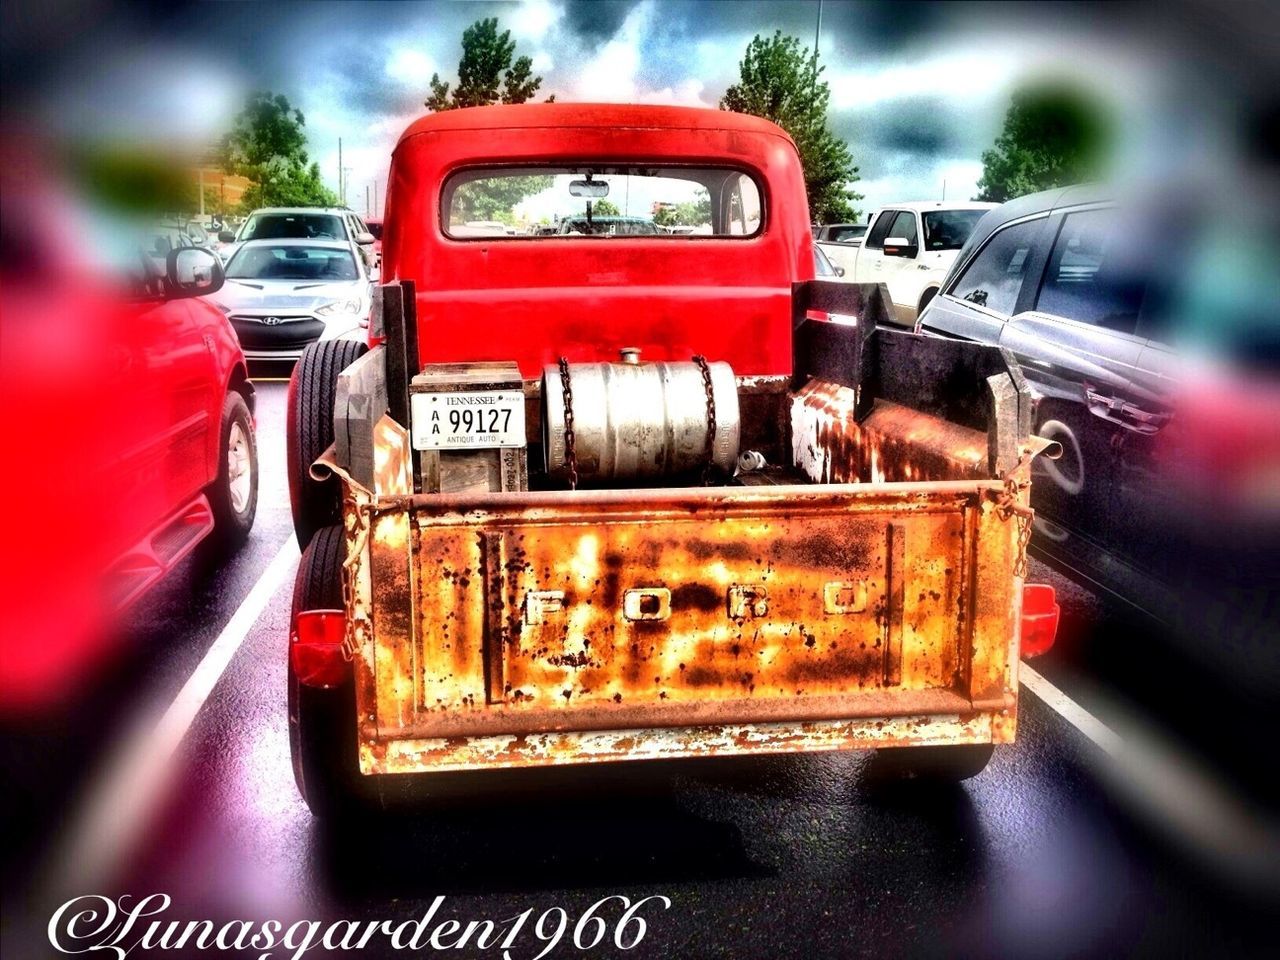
[693, 213]
[781, 80]
[605, 208]
[268, 144]
[494, 198]
[135, 181]
[1053, 135]
[486, 73]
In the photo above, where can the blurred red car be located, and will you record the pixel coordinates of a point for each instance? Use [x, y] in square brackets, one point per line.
[129, 419]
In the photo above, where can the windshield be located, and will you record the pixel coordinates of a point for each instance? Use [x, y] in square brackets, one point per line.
[601, 201]
[949, 229]
[283, 262]
[294, 226]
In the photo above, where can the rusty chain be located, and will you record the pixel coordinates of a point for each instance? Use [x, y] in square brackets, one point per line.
[710, 449]
[570, 454]
[1011, 506]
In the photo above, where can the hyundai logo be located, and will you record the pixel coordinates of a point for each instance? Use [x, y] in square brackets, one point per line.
[271, 321]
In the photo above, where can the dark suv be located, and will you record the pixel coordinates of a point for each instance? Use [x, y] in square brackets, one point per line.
[1148, 333]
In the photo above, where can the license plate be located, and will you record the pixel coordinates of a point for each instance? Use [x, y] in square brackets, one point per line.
[468, 421]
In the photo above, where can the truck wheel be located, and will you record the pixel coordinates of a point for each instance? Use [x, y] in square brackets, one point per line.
[233, 497]
[932, 764]
[309, 431]
[926, 299]
[322, 722]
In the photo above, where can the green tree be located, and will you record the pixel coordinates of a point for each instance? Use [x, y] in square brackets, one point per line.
[135, 181]
[1053, 135]
[690, 214]
[268, 144]
[605, 208]
[781, 80]
[486, 73]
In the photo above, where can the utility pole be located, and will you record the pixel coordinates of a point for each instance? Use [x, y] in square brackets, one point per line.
[375, 197]
[342, 188]
[944, 188]
[367, 214]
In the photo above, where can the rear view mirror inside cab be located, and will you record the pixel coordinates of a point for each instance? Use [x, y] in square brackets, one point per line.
[589, 189]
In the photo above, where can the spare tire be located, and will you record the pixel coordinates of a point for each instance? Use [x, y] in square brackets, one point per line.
[309, 432]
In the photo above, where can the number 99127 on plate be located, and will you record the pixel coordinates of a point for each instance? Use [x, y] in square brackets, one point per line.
[468, 421]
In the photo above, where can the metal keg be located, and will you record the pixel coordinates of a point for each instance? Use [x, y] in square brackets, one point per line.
[638, 421]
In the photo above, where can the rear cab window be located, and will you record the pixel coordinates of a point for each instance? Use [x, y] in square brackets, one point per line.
[601, 201]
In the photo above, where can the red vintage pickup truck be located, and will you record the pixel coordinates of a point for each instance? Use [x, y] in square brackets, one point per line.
[600, 492]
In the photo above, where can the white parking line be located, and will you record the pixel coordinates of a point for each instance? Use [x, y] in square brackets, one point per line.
[1069, 710]
[123, 802]
[1173, 790]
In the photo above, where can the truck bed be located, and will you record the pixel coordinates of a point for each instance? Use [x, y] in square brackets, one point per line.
[863, 589]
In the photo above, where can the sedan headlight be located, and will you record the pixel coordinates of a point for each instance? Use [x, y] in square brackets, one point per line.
[337, 307]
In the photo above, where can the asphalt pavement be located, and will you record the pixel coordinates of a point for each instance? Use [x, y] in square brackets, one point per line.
[1113, 827]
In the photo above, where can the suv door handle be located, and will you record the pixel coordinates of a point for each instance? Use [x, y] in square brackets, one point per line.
[1126, 414]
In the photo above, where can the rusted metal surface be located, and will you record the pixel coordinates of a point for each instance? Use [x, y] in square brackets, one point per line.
[892, 444]
[553, 627]
[496, 751]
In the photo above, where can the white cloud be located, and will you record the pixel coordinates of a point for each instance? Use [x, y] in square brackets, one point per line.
[956, 76]
[410, 66]
[533, 19]
[610, 76]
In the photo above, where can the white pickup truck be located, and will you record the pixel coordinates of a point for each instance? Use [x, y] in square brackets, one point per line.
[910, 247]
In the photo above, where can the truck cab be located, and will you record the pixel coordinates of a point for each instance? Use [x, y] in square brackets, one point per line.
[616, 496]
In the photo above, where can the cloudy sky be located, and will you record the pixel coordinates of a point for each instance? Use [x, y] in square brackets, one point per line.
[918, 90]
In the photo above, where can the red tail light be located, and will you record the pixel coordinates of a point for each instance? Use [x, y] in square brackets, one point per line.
[315, 648]
[1040, 612]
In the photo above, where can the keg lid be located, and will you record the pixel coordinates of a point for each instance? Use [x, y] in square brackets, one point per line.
[630, 354]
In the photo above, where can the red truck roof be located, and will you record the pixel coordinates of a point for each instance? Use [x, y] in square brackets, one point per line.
[536, 299]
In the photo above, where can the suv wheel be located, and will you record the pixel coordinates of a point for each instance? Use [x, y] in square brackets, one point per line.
[233, 496]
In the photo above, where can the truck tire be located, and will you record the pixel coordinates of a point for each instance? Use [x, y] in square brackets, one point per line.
[932, 764]
[233, 496]
[322, 722]
[309, 431]
[925, 300]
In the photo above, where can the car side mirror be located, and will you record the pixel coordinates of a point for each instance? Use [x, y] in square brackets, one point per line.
[226, 236]
[364, 237]
[899, 247]
[192, 272]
